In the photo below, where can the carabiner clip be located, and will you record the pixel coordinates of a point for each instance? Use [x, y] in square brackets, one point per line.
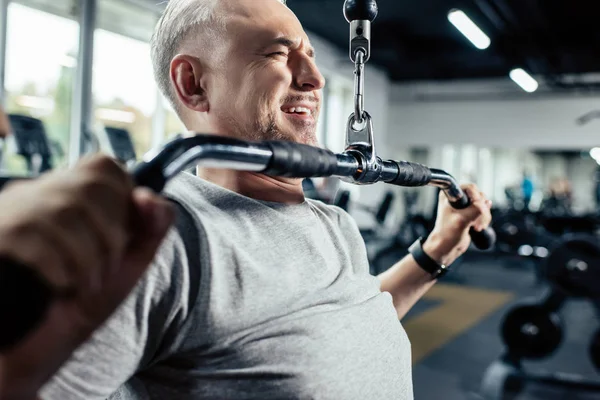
[359, 85]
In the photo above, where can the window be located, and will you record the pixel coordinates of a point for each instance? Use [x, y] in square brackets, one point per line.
[340, 104]
[40, 70]
[321, 132]
[124, 90]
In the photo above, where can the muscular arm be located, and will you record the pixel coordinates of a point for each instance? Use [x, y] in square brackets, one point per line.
[407, 282]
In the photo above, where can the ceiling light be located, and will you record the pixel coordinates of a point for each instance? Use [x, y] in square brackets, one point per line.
[523, 79]
[468, 28]
[595, 153]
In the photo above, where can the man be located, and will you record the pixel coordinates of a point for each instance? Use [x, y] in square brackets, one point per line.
[258, 293]
[527, 190]
[73, 228]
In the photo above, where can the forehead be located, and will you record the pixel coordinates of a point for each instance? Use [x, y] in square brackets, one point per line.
[256, 22]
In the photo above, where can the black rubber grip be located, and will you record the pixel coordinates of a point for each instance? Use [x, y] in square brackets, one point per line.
[24, 300]
[149, 175]
[297, 160]
[411, 174]
[483, 240]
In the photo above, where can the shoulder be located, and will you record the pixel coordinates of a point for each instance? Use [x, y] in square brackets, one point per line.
[339, 215]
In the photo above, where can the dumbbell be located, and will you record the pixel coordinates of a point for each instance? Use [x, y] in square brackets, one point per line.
[533, 330]
[573, 266]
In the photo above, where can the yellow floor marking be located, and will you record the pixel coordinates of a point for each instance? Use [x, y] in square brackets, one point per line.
[461, 309]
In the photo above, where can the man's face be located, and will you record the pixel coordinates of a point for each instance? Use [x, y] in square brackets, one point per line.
[268, 86]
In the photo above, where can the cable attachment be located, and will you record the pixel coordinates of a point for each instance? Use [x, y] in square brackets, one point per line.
[360, 14]
[359, 88]
[361, 145]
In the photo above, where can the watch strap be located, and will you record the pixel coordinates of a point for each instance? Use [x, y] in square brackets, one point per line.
[427, 263]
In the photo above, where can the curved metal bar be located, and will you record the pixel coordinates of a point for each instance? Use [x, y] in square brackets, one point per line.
[221, 156]
[447, 183]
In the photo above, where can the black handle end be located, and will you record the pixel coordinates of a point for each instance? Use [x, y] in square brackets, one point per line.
[25, 298]
[149, 175]
[462, 203]
[484, 239]
[360, 10]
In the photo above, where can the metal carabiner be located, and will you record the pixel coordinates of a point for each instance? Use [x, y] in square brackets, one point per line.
[359, 86]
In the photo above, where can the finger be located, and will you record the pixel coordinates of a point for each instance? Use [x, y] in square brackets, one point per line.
[81, 242]
[108, 205]
[106, 166]
[488, 202]
[154, 217]
[472, 192]
[442, 199]
[483, 217]
[35, 249]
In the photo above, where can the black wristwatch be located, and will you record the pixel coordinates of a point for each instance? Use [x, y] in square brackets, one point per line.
[424, 261]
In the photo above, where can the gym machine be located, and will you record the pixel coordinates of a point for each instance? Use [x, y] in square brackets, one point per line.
[533, 330]
[25, 296]
[32, 143]
[371, 236]
[121, 145]
[414, 225]
[36, 147]
[380, 212]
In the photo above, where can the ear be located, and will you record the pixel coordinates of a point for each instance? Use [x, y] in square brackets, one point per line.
[188, 78]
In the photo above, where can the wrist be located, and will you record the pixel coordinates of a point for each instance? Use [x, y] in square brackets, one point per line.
[435, 247]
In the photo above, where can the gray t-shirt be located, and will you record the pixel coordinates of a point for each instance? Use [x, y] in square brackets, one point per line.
[247, 299]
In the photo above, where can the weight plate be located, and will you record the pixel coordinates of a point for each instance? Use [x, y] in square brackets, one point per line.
[530, 331]
[512, 231]
[573, 266]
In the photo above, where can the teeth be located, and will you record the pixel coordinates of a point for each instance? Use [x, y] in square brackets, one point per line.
[298, 110]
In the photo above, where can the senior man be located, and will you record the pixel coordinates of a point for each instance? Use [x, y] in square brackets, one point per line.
[257, 292]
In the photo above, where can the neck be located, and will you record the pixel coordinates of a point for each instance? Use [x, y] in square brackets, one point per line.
[256, 186]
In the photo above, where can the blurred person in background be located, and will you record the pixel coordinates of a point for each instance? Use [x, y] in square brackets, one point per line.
[527, 189]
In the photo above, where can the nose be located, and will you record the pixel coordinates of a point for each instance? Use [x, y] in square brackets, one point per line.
[307, 76]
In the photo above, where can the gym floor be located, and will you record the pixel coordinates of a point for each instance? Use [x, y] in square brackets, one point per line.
[454, 331]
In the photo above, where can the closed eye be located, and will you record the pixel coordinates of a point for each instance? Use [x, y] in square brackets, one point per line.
[278, 53]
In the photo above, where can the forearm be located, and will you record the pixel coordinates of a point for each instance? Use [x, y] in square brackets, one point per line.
[407, 283]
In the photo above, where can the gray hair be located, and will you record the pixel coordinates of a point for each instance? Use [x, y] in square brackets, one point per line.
[172, 29]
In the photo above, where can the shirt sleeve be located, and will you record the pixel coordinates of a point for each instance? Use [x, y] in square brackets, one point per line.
[132, 338]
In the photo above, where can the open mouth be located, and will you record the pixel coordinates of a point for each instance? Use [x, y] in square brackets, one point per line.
[297, 111]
